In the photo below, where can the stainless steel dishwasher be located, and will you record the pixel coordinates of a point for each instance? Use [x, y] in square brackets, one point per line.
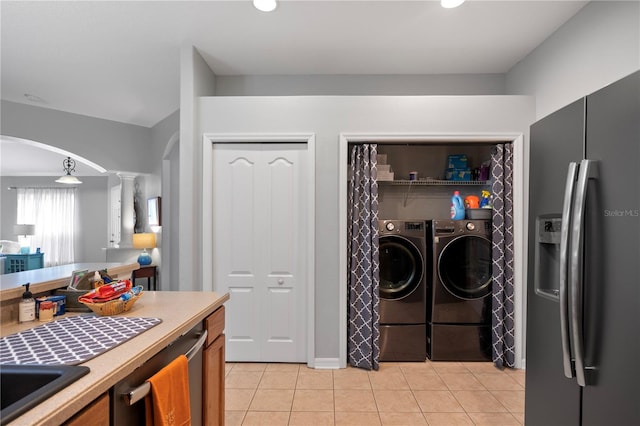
[127, 396]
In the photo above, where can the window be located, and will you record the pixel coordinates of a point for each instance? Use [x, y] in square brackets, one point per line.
[52, 210]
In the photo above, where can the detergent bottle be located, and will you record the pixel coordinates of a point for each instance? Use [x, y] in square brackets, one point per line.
[486, 200]
[457, 207]
[471, 202]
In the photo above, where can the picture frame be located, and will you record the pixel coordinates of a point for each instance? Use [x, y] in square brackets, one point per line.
[154, 214]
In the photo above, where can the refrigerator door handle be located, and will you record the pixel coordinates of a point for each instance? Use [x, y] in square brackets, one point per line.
[588, 170]
[563, 282]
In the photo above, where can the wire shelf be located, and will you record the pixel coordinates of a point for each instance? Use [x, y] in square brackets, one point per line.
[408, 184]
[426, 182]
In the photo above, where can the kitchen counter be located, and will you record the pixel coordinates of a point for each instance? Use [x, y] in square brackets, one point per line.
[179, 311]
[46, 279]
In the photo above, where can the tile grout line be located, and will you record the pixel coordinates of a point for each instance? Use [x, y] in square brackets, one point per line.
[375, 400]
[415, 399]
[255, 392]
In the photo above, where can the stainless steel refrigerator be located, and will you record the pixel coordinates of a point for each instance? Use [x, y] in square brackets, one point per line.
[583, 297]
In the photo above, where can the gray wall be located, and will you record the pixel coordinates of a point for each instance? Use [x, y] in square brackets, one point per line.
[92, 209]
[282, 85]
[161, 133]
[170, 217]
[196, 79]
[114, 146]
[598, 46]
[327, 117]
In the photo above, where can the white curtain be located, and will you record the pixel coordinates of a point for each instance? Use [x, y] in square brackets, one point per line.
[52, 211]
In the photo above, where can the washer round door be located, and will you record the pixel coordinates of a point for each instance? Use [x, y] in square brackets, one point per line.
[464, 267]
[401, 267]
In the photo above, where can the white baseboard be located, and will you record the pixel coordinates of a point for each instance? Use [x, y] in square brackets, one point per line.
[326, 363]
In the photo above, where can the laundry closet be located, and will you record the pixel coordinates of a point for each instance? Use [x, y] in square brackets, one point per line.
[435, 272]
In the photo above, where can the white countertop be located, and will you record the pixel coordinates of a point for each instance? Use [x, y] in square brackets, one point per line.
[180, 311]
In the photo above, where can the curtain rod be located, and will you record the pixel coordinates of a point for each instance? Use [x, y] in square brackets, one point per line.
[39, 187]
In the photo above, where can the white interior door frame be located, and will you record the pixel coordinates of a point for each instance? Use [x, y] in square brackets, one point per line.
[520, 207]
[309, 139]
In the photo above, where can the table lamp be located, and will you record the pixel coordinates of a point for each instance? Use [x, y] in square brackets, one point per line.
[144, 241]
[24, 232]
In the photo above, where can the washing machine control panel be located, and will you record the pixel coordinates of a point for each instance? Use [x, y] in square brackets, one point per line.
[413, 228]
[452, 228]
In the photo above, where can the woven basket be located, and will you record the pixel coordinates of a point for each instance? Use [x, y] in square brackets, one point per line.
[112, 307]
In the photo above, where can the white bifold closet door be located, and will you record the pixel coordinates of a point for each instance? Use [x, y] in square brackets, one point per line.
[259, 249]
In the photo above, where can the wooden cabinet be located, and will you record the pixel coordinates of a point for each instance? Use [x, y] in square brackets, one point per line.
[148, 272]
[94, 414]
[214, 369]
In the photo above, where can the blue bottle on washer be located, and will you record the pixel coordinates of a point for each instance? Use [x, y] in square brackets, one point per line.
[457, 207]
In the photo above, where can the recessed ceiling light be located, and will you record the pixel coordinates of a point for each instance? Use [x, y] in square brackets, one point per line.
[449, 4]
[34, 98]
[265, 5]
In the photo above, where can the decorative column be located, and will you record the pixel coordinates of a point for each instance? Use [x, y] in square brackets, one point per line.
[127, 220]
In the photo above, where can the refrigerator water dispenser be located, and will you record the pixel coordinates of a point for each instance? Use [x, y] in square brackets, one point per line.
[547, 256]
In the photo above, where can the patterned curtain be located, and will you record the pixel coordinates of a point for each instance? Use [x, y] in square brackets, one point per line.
[363, 267]
[503, 324]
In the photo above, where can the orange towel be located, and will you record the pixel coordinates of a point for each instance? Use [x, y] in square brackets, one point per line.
[168, 403]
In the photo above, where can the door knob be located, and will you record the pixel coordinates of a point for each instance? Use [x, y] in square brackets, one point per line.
[280, 281]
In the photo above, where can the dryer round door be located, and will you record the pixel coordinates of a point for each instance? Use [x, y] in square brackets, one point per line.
[464, 267]
[401, 267]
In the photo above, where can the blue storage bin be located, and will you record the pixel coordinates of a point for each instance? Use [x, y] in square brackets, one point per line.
[458, 174]
[457, 162]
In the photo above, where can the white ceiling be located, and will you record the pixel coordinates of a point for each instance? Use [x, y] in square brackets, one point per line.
[120, 60]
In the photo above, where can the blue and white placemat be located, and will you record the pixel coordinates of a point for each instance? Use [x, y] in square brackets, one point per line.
[71, 340]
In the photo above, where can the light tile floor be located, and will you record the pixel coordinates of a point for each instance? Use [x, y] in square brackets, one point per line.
[428, 393]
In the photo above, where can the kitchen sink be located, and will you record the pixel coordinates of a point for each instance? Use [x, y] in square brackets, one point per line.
[25, 386]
